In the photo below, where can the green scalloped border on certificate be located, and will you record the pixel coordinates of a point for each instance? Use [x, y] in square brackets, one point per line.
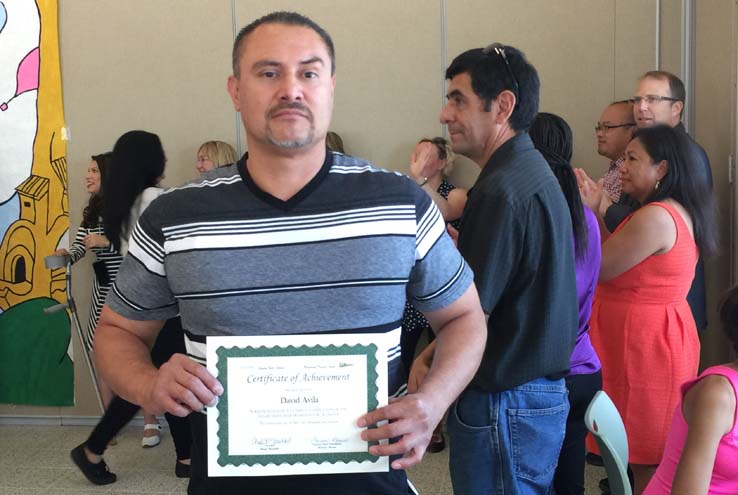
[224, 458]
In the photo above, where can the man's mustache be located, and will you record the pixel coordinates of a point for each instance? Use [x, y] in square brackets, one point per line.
[290, 106]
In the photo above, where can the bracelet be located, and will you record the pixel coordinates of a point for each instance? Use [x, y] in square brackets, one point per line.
[422, 182]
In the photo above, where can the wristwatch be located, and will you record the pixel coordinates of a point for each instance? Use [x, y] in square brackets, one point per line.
[422, 182]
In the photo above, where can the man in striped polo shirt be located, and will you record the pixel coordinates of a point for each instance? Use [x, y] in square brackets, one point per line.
[292, 239]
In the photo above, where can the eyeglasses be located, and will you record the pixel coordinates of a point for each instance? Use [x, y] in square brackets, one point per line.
[499, 49]
[650, 99]
[606, 127]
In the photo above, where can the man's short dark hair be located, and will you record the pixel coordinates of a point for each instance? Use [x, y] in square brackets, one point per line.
[676, 86]
[282, 17]
[490, 76]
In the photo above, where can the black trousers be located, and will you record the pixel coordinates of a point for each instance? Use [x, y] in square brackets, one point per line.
[569, 475]
[120, 412]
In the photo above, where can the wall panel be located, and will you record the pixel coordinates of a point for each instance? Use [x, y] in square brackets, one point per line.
[635, 44]
[388, 60]
[137, 65]
[671, 36]
[573, 45]
[713, 120]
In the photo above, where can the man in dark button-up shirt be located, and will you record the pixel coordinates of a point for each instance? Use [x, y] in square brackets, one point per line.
[508, 426]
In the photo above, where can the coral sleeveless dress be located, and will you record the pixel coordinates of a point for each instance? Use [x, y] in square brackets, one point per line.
[646, 338]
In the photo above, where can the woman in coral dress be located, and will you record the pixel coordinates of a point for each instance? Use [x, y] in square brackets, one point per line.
[641, 325]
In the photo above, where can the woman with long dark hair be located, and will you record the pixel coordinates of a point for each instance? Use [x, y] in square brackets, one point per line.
[91, 237]
[642, 327]
[552, 136]
[137, 166]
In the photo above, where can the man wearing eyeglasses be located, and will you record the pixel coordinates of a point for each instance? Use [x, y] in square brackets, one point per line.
[614, 131]
[508, 426]
[659, 99]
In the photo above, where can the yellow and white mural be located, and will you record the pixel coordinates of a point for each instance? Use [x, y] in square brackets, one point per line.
[35, 352]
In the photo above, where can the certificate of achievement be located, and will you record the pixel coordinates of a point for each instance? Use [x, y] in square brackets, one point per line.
[290, 403]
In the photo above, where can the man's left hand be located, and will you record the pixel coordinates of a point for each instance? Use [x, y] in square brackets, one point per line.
[413, 418]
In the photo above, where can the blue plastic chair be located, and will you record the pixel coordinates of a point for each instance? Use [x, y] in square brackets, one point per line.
[604, 422]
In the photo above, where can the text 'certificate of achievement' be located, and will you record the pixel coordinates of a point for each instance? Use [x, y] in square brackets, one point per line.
[290, 403]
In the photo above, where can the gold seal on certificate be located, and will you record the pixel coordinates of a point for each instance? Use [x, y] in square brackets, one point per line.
[291, 403]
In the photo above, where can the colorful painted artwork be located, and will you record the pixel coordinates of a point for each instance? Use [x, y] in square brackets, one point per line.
[36, 365]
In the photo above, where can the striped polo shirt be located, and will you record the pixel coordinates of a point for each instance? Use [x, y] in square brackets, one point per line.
[339, 256]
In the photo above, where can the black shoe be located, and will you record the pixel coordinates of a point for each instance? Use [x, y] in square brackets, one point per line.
[182, 470]
[98, 474]
[594, 459]
[604, 485]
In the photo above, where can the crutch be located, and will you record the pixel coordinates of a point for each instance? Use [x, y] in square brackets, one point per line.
[54, 262]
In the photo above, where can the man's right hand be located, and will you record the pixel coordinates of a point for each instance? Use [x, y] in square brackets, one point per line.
[60, 252]
[412, 417]
[181, 387]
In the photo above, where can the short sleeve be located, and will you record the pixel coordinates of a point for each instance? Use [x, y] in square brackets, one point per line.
[492, 240]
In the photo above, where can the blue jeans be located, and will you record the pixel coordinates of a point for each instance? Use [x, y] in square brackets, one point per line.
[507, 442]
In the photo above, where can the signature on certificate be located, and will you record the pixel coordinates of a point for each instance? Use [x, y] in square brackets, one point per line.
[331, 442]
[270, 441]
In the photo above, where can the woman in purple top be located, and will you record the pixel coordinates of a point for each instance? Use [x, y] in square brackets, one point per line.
[552, 136]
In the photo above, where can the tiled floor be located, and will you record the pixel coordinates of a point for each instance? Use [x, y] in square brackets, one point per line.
[34, 460]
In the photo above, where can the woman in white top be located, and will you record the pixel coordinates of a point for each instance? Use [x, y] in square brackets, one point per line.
[138, 166]
[131, 185]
